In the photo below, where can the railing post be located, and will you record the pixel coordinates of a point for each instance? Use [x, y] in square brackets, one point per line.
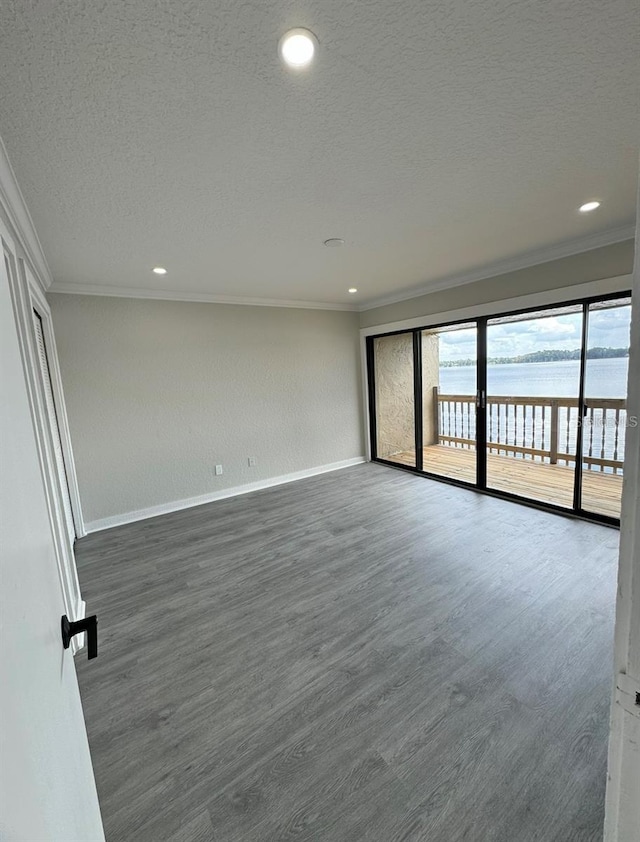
[436, 416]
[553, 433]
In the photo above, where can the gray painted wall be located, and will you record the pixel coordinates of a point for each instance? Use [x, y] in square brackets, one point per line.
[159, 392]
[605, 262]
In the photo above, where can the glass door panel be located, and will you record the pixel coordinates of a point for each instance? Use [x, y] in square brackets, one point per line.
[395, 398]
[605, 406]
[449, 383]
[533, 386]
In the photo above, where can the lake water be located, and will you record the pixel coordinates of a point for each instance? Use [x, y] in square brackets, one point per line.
[604, 379]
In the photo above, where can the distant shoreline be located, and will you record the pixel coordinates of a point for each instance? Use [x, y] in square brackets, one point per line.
[546, 356]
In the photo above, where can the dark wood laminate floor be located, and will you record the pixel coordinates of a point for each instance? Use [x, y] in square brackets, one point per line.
[365, 655]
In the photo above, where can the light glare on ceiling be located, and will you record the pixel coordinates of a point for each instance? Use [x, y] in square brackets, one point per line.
[159, 270]
[352, 290]
[297, 47]
[588, 206]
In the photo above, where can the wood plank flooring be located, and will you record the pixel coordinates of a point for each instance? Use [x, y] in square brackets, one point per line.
[601, 493]
[365, 655]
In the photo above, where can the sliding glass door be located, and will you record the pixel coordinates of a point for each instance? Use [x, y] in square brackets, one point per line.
[605, 418]
[533, 386]
[530, 405]
[449, 386]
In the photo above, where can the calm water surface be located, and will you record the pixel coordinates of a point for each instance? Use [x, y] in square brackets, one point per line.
[605, 379]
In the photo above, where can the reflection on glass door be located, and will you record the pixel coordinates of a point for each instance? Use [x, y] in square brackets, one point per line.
[395, 398]
[605, 406]
[449, 366]
[533, 386]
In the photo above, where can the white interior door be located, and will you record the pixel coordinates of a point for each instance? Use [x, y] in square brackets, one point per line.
[47, 788]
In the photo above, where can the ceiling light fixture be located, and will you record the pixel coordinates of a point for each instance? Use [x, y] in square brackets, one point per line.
[159, 270]
[588, 206]
[334, 242]
[352, 290]
[297, 48]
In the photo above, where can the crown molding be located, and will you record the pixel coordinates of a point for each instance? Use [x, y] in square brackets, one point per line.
[502, 267]
[20, 219]
[202, 297]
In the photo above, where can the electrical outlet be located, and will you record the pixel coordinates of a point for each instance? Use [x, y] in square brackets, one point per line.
[218, 470]
[252, 461]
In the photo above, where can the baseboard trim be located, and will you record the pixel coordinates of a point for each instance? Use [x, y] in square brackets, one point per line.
[202, 499]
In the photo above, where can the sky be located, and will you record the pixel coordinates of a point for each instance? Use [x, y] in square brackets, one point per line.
[607, 329]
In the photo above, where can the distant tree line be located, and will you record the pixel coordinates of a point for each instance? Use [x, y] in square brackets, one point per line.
[547, 356]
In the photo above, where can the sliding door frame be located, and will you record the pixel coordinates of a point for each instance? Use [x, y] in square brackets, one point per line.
[579, 510]
[481, 404]
[481, 381]
[418, 420]
[577, 476]
[417, 398]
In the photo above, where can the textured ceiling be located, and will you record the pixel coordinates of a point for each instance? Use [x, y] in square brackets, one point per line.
[435, 137]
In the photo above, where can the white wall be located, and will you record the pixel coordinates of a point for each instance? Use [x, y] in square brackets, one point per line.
[159, 392]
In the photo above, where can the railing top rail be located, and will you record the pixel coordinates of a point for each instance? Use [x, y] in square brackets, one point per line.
[460, 398]
[537, 400]
[608, 403]
[531, 400]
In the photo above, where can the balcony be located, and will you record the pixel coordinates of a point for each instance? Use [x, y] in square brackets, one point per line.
[531, 443]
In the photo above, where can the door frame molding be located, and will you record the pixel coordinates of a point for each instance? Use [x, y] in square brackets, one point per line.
[622, 806]
[19, 220]
[25, 291]
[41, 305]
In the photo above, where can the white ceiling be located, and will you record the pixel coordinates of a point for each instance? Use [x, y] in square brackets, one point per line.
[437, 137]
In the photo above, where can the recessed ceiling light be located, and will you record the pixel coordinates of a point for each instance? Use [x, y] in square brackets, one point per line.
[159, 270]
[333, 242]
[352, 290]
[297, 47]
[588, 206]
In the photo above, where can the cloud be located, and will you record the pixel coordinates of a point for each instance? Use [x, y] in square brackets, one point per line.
[607, 328]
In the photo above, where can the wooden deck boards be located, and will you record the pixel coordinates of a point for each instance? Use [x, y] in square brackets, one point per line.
[547, 483]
